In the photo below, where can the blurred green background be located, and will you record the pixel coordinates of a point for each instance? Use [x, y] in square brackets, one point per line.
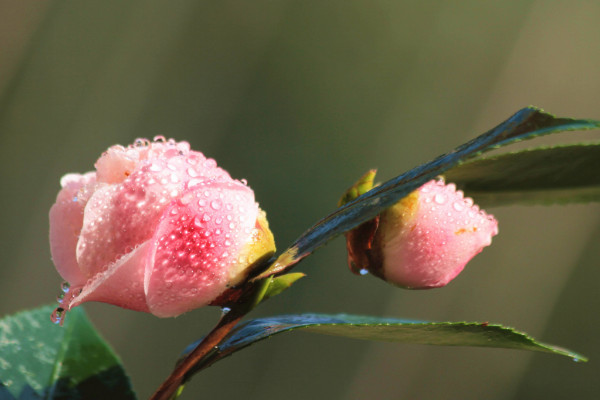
[300, 98]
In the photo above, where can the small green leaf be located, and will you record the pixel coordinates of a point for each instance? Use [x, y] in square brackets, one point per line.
[281, 283]
[474, 334]
[40, 358]
[561, 174]
[360, 187]
[525, 124]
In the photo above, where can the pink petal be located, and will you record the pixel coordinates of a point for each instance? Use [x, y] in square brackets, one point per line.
[122, 284]
[197, 245]
[439, 234]
[66, 220]
[116, 164]
[123, 215]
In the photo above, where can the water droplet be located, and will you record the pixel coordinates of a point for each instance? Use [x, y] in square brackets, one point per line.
[206, 218]
[155, 167]
[576, 359]
[468, 202]
[186, 198]
[159, 138]
[140, 142]
[439, 198]
[65, 286]
[215, 204]
[458, 206]
[244, 182]
[197, 221]
[363, 271]
[192, 172]
[193, 182]
[58, 316]
[225, 310]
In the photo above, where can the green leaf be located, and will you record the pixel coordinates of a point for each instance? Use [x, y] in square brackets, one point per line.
[561, 174]
[526, 124]
[39, 359]
[281, 283]
[474, 334]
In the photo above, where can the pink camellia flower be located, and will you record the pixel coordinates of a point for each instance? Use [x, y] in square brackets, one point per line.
[423, 241]
[157, 228]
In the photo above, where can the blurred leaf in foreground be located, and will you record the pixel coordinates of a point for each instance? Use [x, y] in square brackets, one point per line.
[41, 360]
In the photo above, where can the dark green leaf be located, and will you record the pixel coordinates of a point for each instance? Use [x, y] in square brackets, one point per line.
[39, 358]
[472, 334]
[548, 175]
[525, 124]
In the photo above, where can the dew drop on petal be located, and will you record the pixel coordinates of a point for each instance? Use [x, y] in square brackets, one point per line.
[193, 182]
[192, 172]
[439, 198]
[65, 286]
[58, 316]
[155, 167]
[363, 271]
[458, 206]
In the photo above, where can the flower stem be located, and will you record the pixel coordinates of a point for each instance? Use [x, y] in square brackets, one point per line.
[169, 387]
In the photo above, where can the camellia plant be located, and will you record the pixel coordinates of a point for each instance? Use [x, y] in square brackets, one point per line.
[160, 228]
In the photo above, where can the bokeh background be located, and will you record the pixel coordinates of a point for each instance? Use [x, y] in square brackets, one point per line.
[300, 98]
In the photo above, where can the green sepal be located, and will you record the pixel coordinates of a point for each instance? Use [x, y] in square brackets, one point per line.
[281, 283]
[362, 186]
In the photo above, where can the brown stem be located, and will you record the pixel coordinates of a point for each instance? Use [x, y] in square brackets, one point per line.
[177, 377]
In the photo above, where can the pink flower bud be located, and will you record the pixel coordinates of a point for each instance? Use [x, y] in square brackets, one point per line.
[157, 228]
[423, 241]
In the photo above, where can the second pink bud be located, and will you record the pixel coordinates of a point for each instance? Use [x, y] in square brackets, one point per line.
[423, 241]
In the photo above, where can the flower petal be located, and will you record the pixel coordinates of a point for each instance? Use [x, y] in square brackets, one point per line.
[121, 284]
[437, 233]
[66, 220]
[197, 245]
[123, 215]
